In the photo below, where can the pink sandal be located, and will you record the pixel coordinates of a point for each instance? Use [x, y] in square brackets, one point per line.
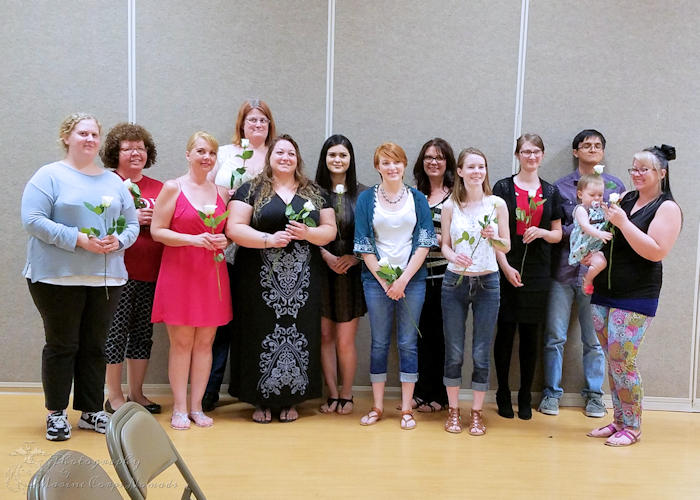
[200, 419]
[606, 431]
[631, 438]
[180, 421]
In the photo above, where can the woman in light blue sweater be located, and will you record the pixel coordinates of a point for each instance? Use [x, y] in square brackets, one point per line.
[75, 270]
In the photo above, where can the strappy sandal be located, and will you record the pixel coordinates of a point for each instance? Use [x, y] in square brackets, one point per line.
[330, 406]
[374, 416]
[476, 425]
[342, 406]
[262, 415]
[415, 403]
[408, 423]
[453, 423]
[630, 437]
[180, 421]
[605, 432]
[200, 419]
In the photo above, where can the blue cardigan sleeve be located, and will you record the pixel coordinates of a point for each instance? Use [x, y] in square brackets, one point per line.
[364, 240]
[426, 230]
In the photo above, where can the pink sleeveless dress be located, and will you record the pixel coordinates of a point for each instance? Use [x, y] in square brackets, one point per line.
[187, 292]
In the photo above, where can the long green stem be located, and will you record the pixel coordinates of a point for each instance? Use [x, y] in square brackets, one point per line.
[410, 315]
[522, 264]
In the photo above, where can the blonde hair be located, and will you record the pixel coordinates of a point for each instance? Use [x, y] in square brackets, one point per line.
[200, 134]
[459, 192]
[69, 123]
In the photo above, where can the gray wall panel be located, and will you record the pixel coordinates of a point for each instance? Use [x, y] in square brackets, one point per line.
[629, 69]
[196, 66]
[56, 60]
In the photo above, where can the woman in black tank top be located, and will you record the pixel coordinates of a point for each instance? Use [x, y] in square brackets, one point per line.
[645, 224]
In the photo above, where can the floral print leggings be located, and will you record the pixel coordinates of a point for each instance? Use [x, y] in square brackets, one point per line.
[620, 333]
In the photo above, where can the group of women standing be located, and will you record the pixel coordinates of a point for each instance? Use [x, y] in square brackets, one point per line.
[297, 288]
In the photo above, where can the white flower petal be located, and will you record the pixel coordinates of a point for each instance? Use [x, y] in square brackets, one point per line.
[127, 183]
[383, 262]
[245, 143]
[598, 169]
[107, 200]
[339, 189]
[209, 209]
[309, 206]
[614, 197]
[532, 193]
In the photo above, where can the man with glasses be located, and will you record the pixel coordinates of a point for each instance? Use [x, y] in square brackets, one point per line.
[588, 148]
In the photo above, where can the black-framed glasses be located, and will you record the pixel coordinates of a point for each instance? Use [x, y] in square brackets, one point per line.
[587, 146]
[431, 159]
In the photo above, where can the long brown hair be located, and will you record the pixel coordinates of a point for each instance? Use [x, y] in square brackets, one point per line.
[459, 192]
[263, 186]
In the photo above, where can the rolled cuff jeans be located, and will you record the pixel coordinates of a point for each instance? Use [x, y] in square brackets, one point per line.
[382, 312]
[484, 295]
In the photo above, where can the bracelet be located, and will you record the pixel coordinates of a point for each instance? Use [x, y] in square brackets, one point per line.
[265, 235]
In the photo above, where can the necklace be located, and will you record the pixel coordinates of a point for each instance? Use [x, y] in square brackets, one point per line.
[386, 198]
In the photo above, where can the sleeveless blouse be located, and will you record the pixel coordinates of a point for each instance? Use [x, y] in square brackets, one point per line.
[484, 256]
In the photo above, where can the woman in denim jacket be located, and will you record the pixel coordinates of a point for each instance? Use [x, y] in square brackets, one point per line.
[393, 225]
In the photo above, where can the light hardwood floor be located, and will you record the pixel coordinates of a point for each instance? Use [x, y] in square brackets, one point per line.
[332, 456]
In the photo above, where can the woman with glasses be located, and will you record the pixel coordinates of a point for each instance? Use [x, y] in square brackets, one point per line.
[342, 299]
[255, 125]
[647, 222]
[434, 173]
[534, 216]
[128, 150]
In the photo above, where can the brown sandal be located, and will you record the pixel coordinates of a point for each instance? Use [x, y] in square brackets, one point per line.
[407, 421]
[374, 416]
[453, 423]
[476, 426]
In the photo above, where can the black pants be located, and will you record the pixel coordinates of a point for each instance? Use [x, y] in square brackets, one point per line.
[503, 347]
[76, 322]
[431, 347]
[221, 346]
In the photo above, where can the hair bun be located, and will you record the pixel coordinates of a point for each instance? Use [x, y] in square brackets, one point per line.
[668, 151]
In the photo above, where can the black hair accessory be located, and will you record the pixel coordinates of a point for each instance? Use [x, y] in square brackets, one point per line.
[665, 151]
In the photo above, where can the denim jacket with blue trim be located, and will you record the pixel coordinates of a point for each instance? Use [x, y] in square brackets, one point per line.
[423, 231]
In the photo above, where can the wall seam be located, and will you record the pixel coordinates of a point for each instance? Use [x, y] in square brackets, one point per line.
[520, 82]
[131, 60]
[330, 65]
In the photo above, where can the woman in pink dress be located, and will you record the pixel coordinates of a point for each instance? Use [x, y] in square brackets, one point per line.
[192, 293]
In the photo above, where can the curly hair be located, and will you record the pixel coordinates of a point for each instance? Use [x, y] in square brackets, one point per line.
[261, 187]
[126, 132]
[69, 123]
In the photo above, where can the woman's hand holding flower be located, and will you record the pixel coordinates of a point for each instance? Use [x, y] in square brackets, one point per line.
[488, 232]
[463, 260]
[297, 230]
[615, 214]
[531, 234]
[145, 216]
[110, 243]
[397, 288]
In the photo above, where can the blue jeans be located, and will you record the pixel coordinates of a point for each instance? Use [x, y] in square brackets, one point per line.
[561, 298]
[483, 293]
[382, 312]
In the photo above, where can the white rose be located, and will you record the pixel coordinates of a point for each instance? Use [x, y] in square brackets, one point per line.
[309, 206]
[107, 200]
[223, 175]
[614, 197]
[532, 193]
[245, 143]
[598, 169]
[383, 262]
[209, 209]
[127, 183]
[497, 202]
[339, 189]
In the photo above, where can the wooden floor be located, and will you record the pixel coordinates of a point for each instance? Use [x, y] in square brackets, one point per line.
[332, 456]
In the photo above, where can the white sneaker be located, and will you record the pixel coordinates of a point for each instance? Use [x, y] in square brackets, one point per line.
[95, 421]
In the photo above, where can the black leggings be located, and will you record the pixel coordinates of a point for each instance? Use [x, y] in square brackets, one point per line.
[503, 347]
[76, 321]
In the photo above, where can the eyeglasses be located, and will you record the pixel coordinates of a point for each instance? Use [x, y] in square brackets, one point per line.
[255, 121]
[638, 171]
[587, 146]
[128, 151]
[528, 152]
[431, 159]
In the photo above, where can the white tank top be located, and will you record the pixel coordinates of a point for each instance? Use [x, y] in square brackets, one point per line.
[393, 231]
[484, 258]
